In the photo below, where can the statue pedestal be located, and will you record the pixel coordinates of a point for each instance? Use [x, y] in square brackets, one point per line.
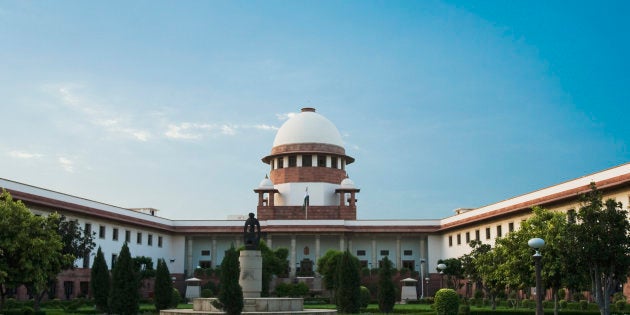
[251, 273]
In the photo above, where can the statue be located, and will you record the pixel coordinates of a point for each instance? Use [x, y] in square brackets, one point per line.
[251, 232]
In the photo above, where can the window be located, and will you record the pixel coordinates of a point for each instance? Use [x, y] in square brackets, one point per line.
[292, 161]
[360, 252]
[101, 231]
[477, 237]
[88, 229]
[205, 252]
[281, 162]
[407, 252]
[205, 264]
[114, 257]
[115, 234]
[499, 234]
[511, 227]
[86, 261]
[384, 252]
[363, 263]
[459, 239]
[467, 237]
[139, 238]
[159, 241]
[307, 160]
[571, 216]
[450, 240]
[127, 236]
[409, 264]
[333, 162]
[150, 240]
[321, 161]
[487, 233]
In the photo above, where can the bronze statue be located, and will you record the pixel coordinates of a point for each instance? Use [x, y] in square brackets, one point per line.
[251, 232]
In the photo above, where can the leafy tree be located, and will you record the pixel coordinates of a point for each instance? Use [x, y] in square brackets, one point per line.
[386, 293]
[163, 287]
[144, 267]
[349, 284]
[124, 297]
[76, 241]
[30, 249]
[231, 294]
[454, 271]
[327, 267]
[470, 262]
[553, 228]
[273, 263]
[494, 282]
[605, 244]
[100, 281]
[446, 302]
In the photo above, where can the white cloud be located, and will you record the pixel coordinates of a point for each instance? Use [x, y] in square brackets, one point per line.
[98, 116]
[265, 127]
[228, 130]
[181, 131]
[66, 164]
[285, 116]
[24, 155]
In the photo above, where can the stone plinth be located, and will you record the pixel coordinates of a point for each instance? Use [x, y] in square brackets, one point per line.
[253, 306]
[251, 273]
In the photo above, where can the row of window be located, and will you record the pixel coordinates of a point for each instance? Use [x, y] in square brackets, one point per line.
[115, 235]
[307, 160]
[488, 234]
[385, 252]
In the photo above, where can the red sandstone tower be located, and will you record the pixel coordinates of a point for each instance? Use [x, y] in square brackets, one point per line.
[308, 179]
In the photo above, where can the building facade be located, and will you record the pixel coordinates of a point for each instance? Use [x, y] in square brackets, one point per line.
[308, 205]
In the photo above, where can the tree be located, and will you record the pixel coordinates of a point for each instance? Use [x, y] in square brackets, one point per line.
[386, 293]
[163, 287]
[124, 297]
[494, 282]
[273, 263]
[604, 241]
[76, 241]
[327, 267]
[100, 281]
[551, 227]
[231, 294]
[446, 302]
[453, 272]
[349, 284]
[470, 262]
[30, 249]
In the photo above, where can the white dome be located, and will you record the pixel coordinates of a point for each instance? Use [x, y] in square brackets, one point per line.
[308, 127]
[347, 183]
[266, 184]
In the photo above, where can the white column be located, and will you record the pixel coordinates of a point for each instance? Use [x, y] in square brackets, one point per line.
[317, 251]
[293, 258]
[350, 245]
[398, 257]
[189, 256]
[342, 246]
[269, 241]
[213, 254]
[374, 262]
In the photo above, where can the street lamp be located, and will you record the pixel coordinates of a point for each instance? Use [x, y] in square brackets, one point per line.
[420, 278]
[537, 244]
[441, 267]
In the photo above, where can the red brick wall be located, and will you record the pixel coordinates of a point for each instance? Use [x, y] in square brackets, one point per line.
[307, 174]
[314, 213]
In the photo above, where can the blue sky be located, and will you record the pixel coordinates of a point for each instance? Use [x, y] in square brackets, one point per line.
[447, 104]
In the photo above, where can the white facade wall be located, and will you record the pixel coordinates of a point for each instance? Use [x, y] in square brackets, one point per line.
[320, 194]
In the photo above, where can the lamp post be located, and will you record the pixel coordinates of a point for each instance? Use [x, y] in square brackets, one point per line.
[537, 244]
[427, 280]
[421, 277]
[441, 267]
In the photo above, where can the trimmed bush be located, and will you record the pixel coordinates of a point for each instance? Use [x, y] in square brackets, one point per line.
[620, 305]
[583, 305]
[365, 296]
[564, 304]
[206, 293]
[446, 302]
